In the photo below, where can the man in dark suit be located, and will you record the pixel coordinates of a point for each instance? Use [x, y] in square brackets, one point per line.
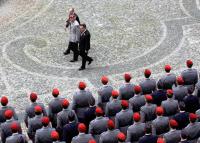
[84, 46]
[70, 130]
[182, 117]
[148, 137]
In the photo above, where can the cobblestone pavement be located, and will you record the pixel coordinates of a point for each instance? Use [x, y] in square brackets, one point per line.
[127, 36]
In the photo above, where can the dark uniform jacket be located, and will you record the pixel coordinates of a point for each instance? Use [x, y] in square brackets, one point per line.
[126, 91]
[104, 95]
[70, 130]
[148, 86]
[148, 139]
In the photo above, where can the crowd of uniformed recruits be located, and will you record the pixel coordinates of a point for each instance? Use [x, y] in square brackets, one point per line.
[166, 111]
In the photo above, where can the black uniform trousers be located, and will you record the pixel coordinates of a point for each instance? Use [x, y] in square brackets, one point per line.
[74, 47]
[85, 58]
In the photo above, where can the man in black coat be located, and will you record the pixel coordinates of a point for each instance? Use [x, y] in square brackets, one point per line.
[84, 46]
[70, 130]
[148, 137]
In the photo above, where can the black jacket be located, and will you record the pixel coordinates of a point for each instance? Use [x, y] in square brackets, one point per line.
[84, 44]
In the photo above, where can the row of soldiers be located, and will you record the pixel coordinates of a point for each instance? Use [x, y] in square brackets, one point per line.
[166, 111]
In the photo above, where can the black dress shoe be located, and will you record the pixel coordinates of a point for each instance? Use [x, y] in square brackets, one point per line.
[90, 62]
[73, 61]
[80, 69]
[66, 53]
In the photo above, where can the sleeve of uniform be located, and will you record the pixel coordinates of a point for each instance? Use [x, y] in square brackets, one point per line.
[90, 129]
[30, 132]
[26, 118]
[59, 123]
[44, 110]
[106, 110]
[36, 137]
[76, 118]
[50, 114]
[128, 138]
[120, 93]
[99, 101]
[15, 114]
[101, 139]
[116, 122]
[153, 130]
[3, 138]
[20, 128]
[74, 103]
[142, 114]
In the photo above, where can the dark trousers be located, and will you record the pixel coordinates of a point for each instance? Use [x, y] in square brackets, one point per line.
[74, 47]
[85, 58]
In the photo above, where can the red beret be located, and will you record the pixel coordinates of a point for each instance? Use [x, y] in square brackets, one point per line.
[159, 110]
[193, 117]
[104, 80]
[121, 137]
[147, 72]
[180, 80]
[55, 92]
[115, 93]
[99, 110]
[33, 96]
[38, 109]
[54, 135]
[169, 92]
[189, 63]
[167, 68]
[4, 100]
[148, 98]
[14, 126]
[82, 85]
[8, 114]
[45, 120]
[137, 89]
[92, 141]
[124, 103]
[111, 124]
[136, 117]
[82, 128]
[160, 140]
[65, 103]
[127, 76]
[173, 123]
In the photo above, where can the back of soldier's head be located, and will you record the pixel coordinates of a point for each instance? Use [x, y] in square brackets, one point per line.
[182, 106]
[184, 134]
[191, 89]
[91, 101]
[148, 129]
[159, 84]
[71, 116]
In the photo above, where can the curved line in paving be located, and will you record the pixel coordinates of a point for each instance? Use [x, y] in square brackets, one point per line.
[31, 19]
[190, 8]
[171, 42]
[139, 56]
[38, 61]
[20, 68]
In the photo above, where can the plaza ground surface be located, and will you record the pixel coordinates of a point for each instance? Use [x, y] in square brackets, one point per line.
[127, 36]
